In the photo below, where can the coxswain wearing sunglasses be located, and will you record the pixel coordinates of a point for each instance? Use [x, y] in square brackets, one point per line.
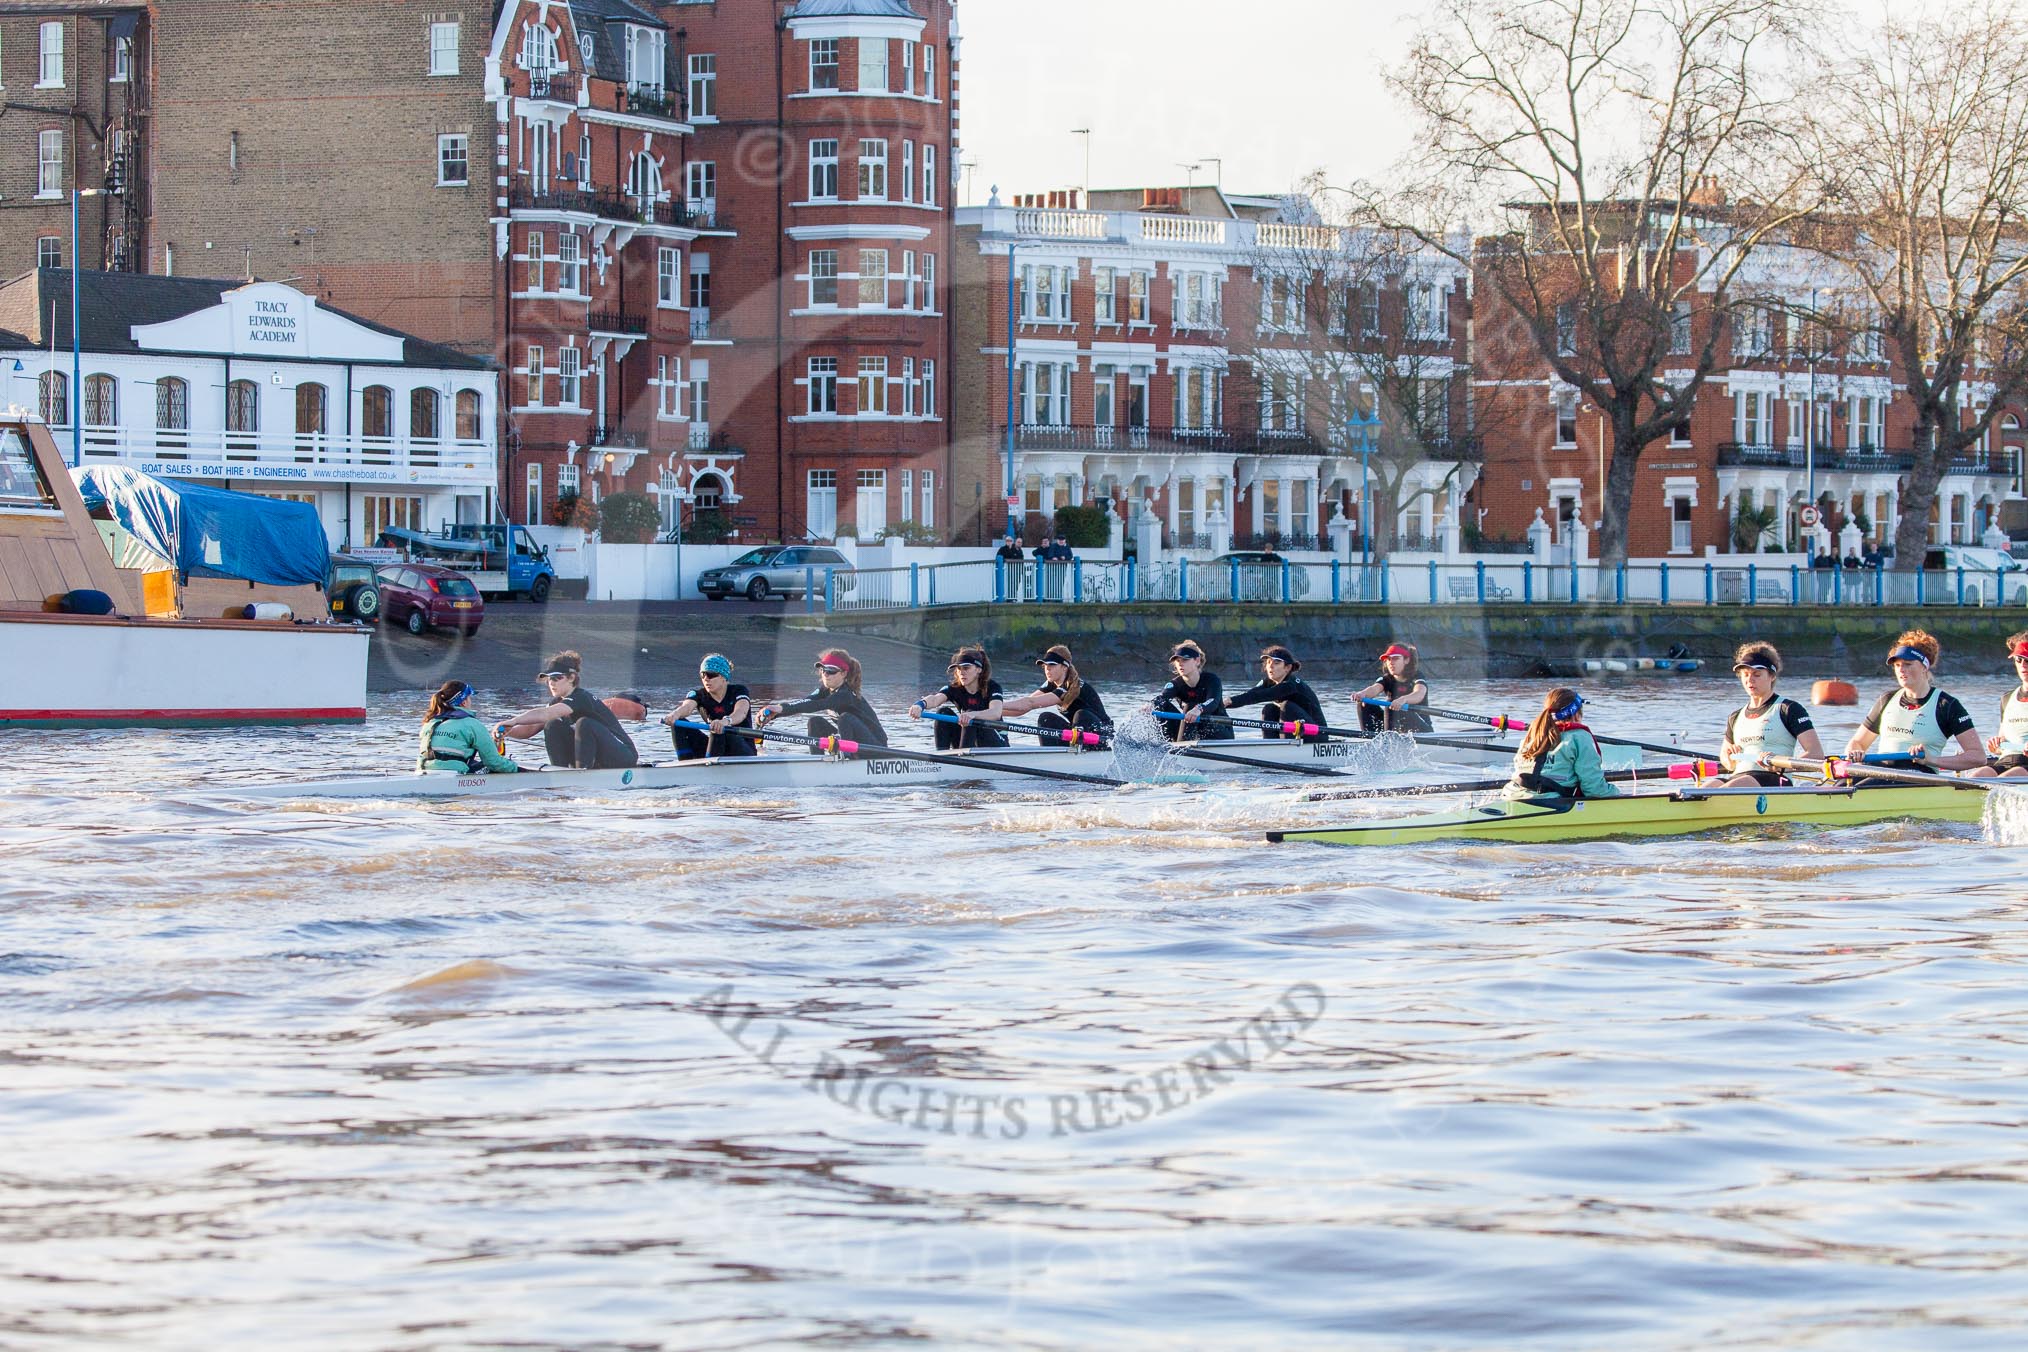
[836, 707]
[1559, 756]
[971, 694]
[576, 727]
[1284, 697]
[1767, 725]
[1916, 723]
[455, 740]
[718, 702]
[1066, 699]
[1194, 693]
[2008, 752]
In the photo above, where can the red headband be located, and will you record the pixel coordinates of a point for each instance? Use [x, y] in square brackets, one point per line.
[2018, 650]
[835, 658]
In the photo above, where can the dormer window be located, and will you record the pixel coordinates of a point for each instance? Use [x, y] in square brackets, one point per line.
[587, 47]
[644, 58]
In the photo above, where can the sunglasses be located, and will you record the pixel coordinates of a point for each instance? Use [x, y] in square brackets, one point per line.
[710, 675]
[959, 666]
[1190, 653]
[830, 670]
[2021, 657]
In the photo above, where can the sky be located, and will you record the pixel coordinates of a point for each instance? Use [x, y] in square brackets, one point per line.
[1276, 88]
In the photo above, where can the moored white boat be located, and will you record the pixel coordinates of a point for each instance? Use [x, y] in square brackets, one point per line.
[133, 667]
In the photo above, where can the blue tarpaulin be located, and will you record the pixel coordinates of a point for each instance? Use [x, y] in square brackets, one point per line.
[213, 532]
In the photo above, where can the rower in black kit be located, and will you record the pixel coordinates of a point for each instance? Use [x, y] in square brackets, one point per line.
[1196, 694]
[1287, 697]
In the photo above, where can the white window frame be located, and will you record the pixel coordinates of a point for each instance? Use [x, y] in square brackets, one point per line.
[536, 261]
[821, 399]
[873, 380]
[49, 63]
[929, 176]
[872, 168]
[570, 376]
[820, 503]
[825, 47]
[870, 502]
[703, 86]
[873, 273]
[123, 61]
[928, 516]
[908, 279]
[569, 480]
[907, 496]
[699, 390]
[668, 278]
[444, 41]
[929, 396]
[532, 501]
[929, 283]
[823, 268]
[908, 171]
[700, 186]
[929, 71]
[46, 245]
[873, 66]
[907, 393]
[534, 388]
[446, 144]
[1105, 295]
[1566, 412]
[824, 170]
[49, 163]
[907, 87]
[570, 270]
[700, 283]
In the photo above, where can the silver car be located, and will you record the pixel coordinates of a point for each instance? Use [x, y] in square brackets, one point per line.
[776, 570]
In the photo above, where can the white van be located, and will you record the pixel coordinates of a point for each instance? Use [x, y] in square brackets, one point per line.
[1992, 576]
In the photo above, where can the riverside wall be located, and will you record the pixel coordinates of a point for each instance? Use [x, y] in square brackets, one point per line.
[656, 645]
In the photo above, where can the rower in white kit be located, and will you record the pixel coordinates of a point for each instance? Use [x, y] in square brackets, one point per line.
[1767, 724]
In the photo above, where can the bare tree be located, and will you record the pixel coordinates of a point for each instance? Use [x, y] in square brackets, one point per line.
[1356, 336]
[1921, 137]
[1640, 156]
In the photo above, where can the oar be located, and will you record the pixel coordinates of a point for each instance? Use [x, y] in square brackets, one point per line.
[1504, 724]
[844, 746]
[1474, 786]
[1838, 767]
[1068, 736]
[1226, 758]
[1339, 734]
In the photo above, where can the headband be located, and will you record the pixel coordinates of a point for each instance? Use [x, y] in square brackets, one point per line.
[1907, 654]
[1570, 710]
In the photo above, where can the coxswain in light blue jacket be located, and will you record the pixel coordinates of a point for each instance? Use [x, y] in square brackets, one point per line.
[455, 740]
[1559, 756]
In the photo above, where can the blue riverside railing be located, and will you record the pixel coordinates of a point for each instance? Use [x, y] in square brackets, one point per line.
[1474, 582]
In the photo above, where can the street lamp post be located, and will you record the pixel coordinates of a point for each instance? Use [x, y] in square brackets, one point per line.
[1013, 406]
[76, 346]
[1360, 426]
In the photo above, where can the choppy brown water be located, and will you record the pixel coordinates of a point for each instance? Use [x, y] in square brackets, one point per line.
[539, 1072]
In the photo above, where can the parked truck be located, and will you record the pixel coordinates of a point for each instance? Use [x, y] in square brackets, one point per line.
[502, 560]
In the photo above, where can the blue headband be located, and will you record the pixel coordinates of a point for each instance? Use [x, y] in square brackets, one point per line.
[462, 695]
[1908, 654]
[1570, 710]
[715, 664]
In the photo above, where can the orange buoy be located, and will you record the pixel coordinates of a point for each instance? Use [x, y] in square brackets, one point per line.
[1834, 692]
[625, 706]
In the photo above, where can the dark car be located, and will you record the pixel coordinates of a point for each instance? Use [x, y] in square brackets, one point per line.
[353, 589]
[427, 596]
[776, 570]
[1260, 576]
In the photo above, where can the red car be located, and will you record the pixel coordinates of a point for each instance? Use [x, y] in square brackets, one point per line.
[427, 596]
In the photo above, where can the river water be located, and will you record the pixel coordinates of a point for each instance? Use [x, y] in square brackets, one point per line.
[932, 1066]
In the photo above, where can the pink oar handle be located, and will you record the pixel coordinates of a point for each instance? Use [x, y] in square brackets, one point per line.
[1698, 769]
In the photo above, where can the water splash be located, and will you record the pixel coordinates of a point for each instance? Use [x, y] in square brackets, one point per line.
[1140, 751]
[2006, 817]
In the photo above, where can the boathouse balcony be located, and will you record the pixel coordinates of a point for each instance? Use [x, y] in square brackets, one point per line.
[285, 457]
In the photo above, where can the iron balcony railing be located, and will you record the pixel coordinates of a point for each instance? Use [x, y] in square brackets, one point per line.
[1273, 540]
[611, 206]
[652, 102]
[560, 86]
[618, 321]
[1855, 460]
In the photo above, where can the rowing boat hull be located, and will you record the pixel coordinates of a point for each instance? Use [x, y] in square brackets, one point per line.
[1544, 820]
[995, 766]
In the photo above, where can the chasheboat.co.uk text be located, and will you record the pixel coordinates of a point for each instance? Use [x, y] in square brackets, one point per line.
[940, 1110]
